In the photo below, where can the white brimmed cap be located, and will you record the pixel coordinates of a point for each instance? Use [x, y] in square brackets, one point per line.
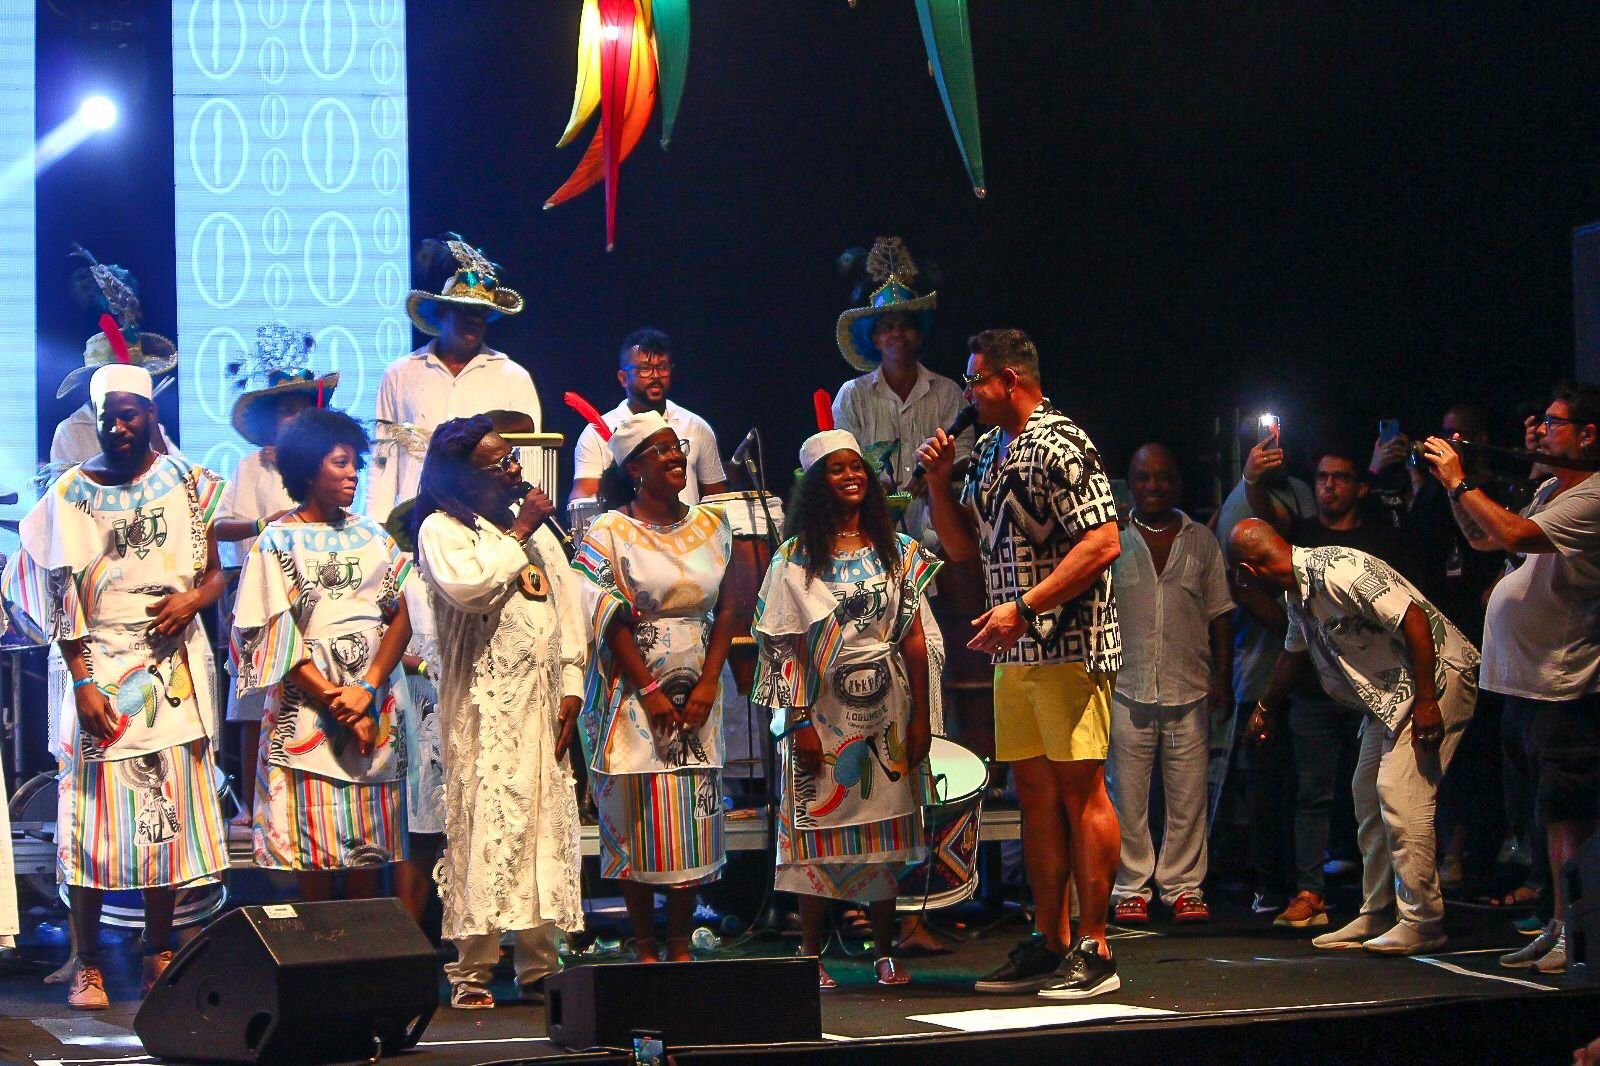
[634, 431]
[826, 443]
[119, 377]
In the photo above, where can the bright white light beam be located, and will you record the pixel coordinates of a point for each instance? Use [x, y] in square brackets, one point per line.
[95, 115]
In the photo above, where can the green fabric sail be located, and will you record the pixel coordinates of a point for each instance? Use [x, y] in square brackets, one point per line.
[672, 58]
[948, 39]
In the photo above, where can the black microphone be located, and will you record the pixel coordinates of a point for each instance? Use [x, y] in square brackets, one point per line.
[563, 538]
[965, 419]
[744, 447]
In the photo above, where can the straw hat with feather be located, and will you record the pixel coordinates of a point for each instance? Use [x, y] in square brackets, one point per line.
[473, 282]
[107, 289]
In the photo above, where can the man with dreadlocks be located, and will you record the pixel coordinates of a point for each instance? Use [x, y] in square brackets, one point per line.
[511, 657]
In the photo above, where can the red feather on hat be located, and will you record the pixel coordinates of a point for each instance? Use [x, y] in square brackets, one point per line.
[119, 343]
[824, 405]
[586, 409]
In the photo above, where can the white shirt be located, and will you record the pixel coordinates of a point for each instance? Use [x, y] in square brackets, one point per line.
[705, 465]
[1166, 618]
[419, 389]
[1541, 634]
[76, 440]
[1345, 609]
[875, 413]
[254, 492]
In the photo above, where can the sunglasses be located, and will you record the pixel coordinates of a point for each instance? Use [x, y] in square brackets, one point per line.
[501, 465]
[972, 381]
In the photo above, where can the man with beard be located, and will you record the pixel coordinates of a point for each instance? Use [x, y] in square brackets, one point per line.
[117, 560]
[1037, 502]
[1324, 730]
[646, 378]
[1541, 633]
[1177, 672]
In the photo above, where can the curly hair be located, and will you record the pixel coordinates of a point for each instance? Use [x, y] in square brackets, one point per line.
[310, 437]
[449, 481]
[810, 520]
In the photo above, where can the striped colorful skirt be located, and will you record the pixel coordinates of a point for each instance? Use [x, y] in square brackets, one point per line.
[852, 862]
[149, 821]
[305, 821]
[661, 829]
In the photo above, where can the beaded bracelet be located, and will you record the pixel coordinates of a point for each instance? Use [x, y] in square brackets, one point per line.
[795, 726]
[261, 526]
[651, 687]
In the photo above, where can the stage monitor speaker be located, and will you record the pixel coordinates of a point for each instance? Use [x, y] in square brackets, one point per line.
[1583, 910]
[301, 982]
[738, 1001]
[1586, 301]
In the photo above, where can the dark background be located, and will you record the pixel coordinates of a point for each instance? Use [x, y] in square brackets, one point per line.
[1343, 212]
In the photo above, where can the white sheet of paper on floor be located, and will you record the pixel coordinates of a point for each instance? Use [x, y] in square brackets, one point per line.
[991, 1020]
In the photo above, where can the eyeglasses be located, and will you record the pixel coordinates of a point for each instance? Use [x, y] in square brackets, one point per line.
[972, 381]
[1339, 476]
[652, 370]
[501, 465]
[1551, 421]
[665, 448]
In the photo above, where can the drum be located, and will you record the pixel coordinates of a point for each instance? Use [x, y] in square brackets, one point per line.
[952, 814]
[35, 802]
[757, 520]
[581, 510]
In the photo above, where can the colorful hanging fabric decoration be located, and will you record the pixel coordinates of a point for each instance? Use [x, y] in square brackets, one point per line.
[671, 23]
[619, 72]
[948, 38]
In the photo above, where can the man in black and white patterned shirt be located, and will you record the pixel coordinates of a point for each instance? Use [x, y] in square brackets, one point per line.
[1038, 505]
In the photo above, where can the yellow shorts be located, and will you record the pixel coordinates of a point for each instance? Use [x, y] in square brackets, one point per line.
[1058, 710]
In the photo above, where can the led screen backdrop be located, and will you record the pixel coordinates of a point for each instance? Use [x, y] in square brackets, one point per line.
[18, 325]
[289, 129]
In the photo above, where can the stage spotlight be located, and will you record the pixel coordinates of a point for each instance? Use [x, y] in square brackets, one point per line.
[98, 113]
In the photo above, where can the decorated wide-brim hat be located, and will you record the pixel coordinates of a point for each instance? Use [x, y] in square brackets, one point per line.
[151, 351]
[474, 283]
[282, 383]
[891, 266]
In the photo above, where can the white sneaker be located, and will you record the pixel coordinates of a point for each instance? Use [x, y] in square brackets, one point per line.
[1351, 935]
[1530, 953]
[1555, 960]
[1405, 939]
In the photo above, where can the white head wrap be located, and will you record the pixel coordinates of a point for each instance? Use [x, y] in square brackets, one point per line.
[826, 443]
[634, 431]
[119, 377]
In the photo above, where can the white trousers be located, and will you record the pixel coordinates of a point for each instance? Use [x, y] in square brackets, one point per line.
[1179, 736]
[1396, 788]
[534, 956]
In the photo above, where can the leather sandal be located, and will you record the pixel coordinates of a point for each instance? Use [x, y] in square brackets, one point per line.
[470, 997]
[889, 973]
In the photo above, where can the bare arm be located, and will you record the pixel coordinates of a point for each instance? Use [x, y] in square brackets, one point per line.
[585, 487]
[1286, 673]
[1002, 625]
[1486, 525]
[956, 526]
[1265, 459]
[707, 488]
[698, 706]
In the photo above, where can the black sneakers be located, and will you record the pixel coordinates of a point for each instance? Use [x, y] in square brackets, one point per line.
[1030, 965]
[1084, 974]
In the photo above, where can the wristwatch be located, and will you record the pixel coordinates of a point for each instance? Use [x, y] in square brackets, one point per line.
[1029, 615]
[1464, 486]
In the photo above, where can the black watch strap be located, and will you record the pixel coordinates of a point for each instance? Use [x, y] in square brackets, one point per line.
[1465, 486]
[1029, 615]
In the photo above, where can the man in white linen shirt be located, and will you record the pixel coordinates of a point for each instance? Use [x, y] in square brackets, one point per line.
[1177, 672]
[646, 377]
[1380, 647]
[452, 376]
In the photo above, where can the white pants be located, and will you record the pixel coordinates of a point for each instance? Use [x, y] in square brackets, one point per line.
[1180, 736]
[535, 955]
[1396, 794]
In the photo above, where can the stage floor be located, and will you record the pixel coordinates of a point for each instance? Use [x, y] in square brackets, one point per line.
[1238, 966]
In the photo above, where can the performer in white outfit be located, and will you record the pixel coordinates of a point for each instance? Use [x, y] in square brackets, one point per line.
[116, 562]
[452, 376]
[511, 659]
[844, 664]
[255, 496]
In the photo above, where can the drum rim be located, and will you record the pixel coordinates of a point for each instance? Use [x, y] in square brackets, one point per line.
[952, 801]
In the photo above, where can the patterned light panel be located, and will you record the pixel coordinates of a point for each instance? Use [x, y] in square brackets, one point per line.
[18, 326]
[289, 123]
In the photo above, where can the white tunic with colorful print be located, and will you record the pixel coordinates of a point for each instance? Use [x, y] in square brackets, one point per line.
[138, 810]
[830, 644]
[325, 593]
[659, 795]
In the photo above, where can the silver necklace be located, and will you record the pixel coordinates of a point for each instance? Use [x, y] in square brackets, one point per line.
[1148, 528]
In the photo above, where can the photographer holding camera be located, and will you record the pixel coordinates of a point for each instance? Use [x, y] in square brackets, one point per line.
[1542, 630]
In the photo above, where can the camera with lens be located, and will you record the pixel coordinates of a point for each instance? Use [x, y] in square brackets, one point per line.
[1420, 458]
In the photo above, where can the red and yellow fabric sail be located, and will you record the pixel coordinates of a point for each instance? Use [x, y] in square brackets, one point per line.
[618, 72]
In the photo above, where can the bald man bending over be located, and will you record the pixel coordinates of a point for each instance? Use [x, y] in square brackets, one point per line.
[1379, 647]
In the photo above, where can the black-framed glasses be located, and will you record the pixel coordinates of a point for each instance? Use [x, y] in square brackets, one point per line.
[665, 448]
[1551, 421]
[652, 370]
[972, 381]
[501, 465]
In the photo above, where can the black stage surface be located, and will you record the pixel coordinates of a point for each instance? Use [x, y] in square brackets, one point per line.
[1185, 993]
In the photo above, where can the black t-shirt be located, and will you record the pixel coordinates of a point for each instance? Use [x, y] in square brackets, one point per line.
[1378, 539]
